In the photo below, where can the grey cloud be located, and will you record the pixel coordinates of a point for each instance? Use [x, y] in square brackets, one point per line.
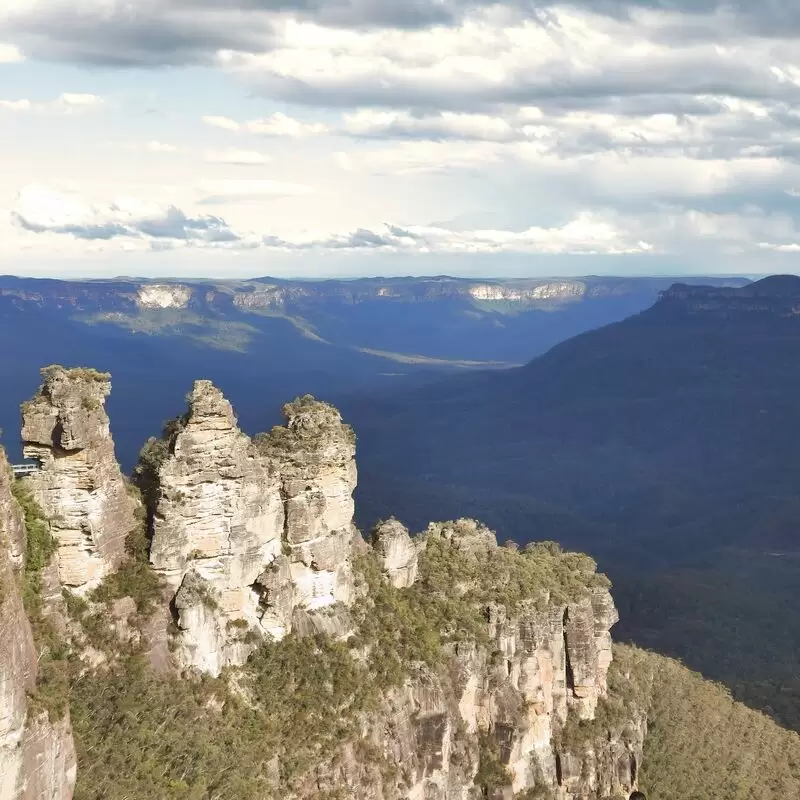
[172, 226]
[173, 32]
[104, 231]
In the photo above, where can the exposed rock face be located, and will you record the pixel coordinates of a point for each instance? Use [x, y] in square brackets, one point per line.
[249, 535]
[37, 757]
[398, 552]
[541, 671]
[80, 486]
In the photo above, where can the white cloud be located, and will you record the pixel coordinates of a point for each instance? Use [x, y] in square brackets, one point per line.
[16, 105]
[155, 146]
[66, 103]
[447, 125]
[79, 100]
[44, 210]
[221, 122]
[10, 54]
[245, 158]
[279, 124]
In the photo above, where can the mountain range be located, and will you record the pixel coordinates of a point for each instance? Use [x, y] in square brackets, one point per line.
[264, 340]
[666, 445]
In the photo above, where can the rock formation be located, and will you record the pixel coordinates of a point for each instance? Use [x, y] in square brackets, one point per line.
[251, 535]
[80, 486]
[37, 756]
[397, 551]
[483, 668]
[510, 710]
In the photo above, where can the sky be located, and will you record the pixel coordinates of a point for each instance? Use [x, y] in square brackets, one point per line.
[308, 138]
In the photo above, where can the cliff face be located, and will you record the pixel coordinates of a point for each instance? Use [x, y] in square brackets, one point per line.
[434, 667]
[80, 486]
[511, 709]
[37, 756]
[252, 537]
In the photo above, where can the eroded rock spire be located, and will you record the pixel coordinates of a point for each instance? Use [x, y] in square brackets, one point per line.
[80, 486]
[252, 536]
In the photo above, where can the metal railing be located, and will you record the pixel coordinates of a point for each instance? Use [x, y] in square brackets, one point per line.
[24, 469]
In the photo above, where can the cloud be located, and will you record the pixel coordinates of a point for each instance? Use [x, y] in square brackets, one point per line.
[79, 100]
[66, 103]
[10, 54]
[585, 234]
[173, 32]
[16, 105]
[370, 123]
[217, 192]
[277, 124]
[155, 146]
[221, 122]
[244, 158]
[41, 209]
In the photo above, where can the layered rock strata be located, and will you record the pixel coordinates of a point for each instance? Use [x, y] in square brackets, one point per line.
[37, 756]
[252, 535]
[80, 486]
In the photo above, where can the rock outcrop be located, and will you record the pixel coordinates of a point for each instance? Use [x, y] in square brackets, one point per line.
[250, 535]
[397, 551]
[37, 756]
[80, 486]
[511, 710]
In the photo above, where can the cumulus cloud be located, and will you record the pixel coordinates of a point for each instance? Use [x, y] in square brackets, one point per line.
[66, 103]
[231, 156]
[586, 234]
[41, 209]
[10, 54]
[221, 122]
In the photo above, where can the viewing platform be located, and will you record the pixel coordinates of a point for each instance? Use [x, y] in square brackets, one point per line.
[20, 470]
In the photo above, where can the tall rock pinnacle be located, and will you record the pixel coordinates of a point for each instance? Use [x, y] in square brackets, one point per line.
[80, 486]
[250, 535]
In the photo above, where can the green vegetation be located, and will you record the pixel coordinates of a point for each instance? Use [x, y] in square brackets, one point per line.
[703, 745]
[208, 331]
[491, 774]
[140, 735]
[52, 685]
[80, 373]
[153, 454]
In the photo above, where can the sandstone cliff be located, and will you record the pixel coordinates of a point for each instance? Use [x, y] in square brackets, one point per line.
[433, 667]
[80, 487]
[512, 706]
[37, 757]
[252, 538]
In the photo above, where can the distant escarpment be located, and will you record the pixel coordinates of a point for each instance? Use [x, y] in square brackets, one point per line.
[230, 634]
[778, 295]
